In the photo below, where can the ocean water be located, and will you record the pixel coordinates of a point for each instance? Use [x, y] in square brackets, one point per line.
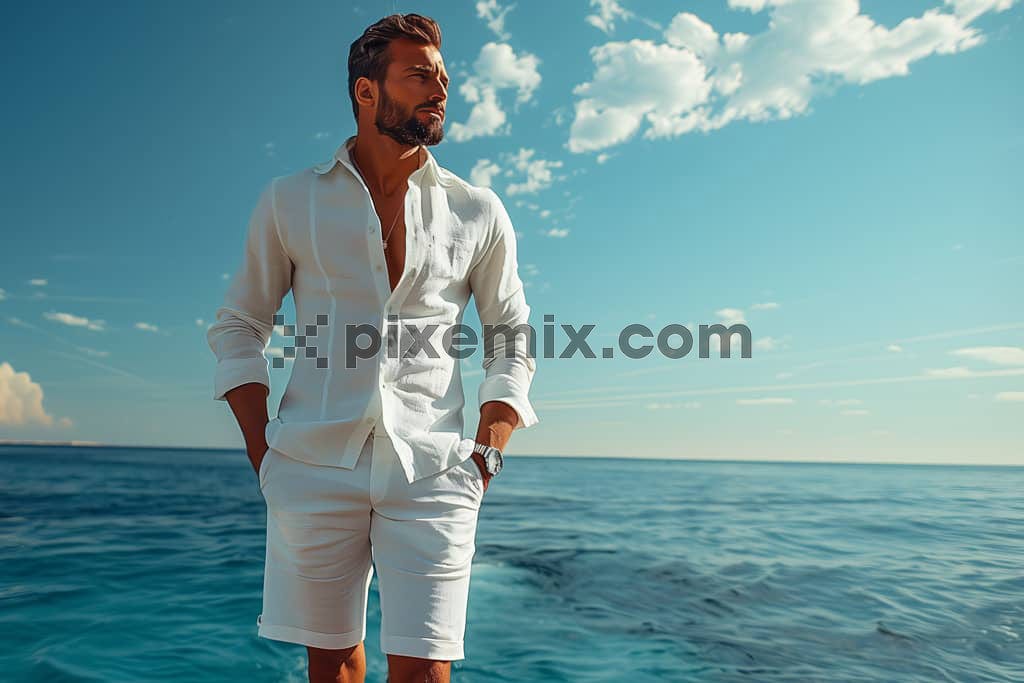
[146, 565]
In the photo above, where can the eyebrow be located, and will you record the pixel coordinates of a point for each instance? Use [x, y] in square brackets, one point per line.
[425, 69]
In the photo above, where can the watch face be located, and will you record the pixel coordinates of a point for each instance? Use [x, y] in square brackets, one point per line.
[494, 460]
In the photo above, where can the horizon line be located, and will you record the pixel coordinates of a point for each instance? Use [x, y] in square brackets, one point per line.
[747, 461]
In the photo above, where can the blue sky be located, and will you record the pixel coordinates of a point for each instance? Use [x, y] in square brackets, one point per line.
[844, 177]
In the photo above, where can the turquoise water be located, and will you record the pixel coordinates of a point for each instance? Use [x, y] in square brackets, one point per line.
[146, 565]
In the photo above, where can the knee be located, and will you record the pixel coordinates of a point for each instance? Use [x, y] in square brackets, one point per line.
[331, 666]
[403, 669]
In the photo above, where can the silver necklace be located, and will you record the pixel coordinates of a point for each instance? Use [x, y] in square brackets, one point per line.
[397, 213]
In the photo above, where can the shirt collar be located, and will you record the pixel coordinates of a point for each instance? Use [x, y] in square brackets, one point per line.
[342, 155]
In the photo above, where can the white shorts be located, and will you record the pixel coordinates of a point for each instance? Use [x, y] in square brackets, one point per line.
[329, 528]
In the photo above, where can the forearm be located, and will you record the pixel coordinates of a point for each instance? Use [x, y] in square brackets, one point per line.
[497, 420]
[249, 404]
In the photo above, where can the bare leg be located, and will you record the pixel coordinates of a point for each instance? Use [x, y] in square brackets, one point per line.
[402, 669]
[337, 666]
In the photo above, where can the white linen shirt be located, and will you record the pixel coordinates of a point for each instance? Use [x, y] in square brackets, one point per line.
[317, 233]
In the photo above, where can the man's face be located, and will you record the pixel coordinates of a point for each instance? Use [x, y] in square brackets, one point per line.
[413, 95]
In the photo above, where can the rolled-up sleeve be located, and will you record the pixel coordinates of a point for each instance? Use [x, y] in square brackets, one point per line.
[245, 321]
[494, 279]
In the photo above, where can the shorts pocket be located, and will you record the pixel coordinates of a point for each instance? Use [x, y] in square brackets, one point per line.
[470, 468]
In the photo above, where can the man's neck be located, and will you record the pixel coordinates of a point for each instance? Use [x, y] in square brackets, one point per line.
[385, 164]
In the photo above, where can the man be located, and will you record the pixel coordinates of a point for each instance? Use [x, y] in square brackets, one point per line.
[365, 469]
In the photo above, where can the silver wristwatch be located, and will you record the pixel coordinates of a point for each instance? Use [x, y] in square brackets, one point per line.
[492, 457]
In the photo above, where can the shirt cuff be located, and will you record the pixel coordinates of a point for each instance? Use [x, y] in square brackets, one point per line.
[234, 372]
[507, 391]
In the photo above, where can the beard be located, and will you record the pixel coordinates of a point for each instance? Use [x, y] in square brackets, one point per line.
[404, 126]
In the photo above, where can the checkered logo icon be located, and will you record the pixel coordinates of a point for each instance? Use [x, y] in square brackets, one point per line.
[302, 341]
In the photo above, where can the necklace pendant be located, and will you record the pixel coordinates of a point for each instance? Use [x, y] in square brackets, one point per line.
[385, 245]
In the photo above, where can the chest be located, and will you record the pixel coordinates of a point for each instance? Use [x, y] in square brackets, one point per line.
[341, 238]
[390, 212]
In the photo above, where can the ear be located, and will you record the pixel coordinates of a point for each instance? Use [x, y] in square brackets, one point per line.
[366, 92]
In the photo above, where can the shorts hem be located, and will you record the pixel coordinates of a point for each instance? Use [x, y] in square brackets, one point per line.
[326, 641]
[424, 648]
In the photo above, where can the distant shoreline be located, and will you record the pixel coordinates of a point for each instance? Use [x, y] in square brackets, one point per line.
[95, 444]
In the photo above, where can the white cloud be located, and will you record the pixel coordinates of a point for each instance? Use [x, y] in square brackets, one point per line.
[483, 172]
[766, 306]
[557, 232]
[958, 371]
[634, 81]
[1010, 396]
[494, 15]
[496, 68]
[93, 352]
[616, 396]
[608, 12]
[21, 399]
[200, 322]
[75, 320]
[970, 9]
[767, 343]
[690, 405]
[690, 31]
[731, 316]
[3, 294]
[147, 327]
[700, 80]
[1000, 355]
[840, 402]
[763, 401]
[538, 172]
[896, 348]
[38, 282]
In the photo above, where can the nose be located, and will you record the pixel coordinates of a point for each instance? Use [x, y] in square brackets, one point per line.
[443, 94]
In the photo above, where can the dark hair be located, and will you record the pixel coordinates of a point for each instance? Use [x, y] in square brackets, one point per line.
[369, 55]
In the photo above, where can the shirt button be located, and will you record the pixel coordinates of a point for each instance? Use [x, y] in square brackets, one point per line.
[380, 267]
